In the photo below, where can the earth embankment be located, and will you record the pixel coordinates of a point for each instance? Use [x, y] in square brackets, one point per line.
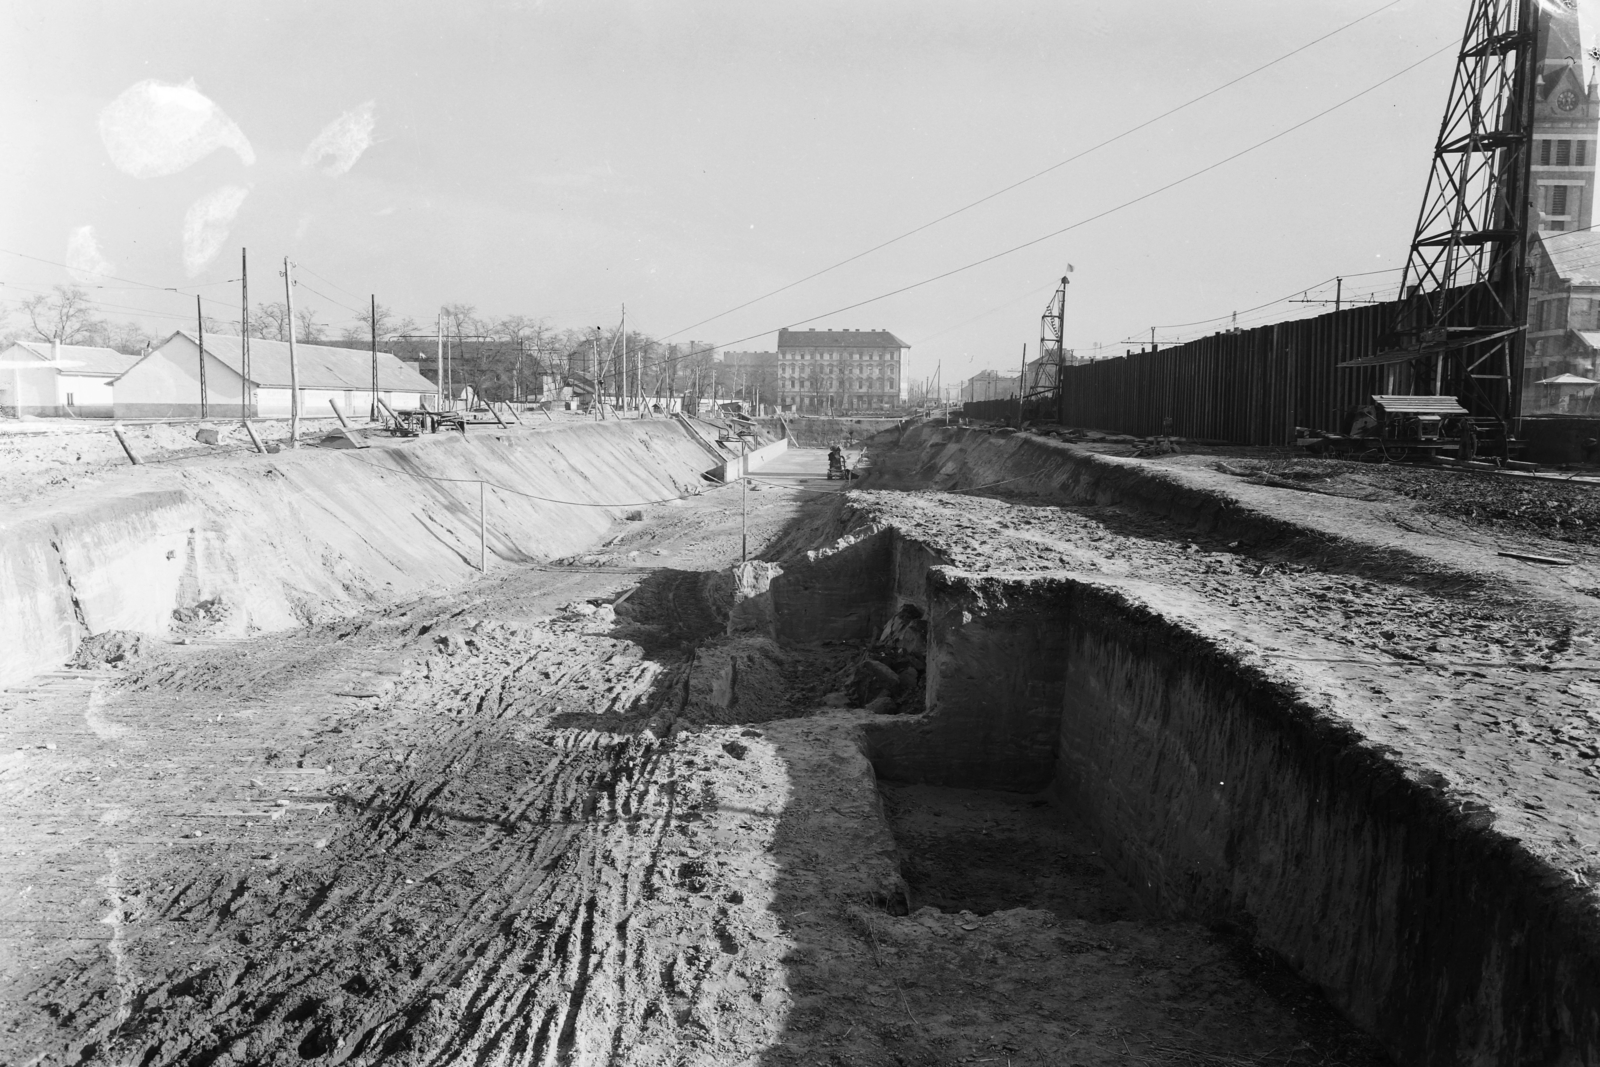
[247, 543]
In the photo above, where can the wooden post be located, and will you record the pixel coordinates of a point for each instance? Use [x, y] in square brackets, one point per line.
[254, 440]
[244, 334]
[121, 440]
[744, 486]
[294, 365]
[1022, 383]
[373, 417]
[200, 333]
[496, 414]
[483, 540]
[438, 365]
[624, 359]
[337, 413]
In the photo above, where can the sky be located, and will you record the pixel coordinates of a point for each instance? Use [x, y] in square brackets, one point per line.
[564, 158]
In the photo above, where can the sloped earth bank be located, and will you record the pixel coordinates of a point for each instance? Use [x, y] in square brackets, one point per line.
[1369, 741]
[566, 816]
[268, 542]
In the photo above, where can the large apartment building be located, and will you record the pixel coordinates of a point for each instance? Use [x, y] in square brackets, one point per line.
[823, 372]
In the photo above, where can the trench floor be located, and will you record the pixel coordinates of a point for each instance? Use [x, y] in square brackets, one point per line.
[490, 827]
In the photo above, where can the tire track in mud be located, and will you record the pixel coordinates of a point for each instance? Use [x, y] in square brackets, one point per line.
[480, 907]
[481, 851]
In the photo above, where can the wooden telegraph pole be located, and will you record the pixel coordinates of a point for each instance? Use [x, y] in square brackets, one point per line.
[373, 417]
[294, 363]
[244, 335]
[624, 358]
[200, 332]
[1022, 383]
[438, 364]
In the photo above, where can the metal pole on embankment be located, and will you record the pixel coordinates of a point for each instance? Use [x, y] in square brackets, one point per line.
[373, 415]
[244, 338]
[294, 365]
[1022, 379]
[200, 335]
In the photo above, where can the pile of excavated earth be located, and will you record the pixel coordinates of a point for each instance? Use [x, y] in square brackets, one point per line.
[1013, 751]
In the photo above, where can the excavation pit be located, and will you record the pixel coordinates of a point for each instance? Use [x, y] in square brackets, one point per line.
[1213, 787]
[984, 851]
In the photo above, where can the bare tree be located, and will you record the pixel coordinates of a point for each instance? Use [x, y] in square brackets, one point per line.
[308, 329]
[270, 322]
[390, 325]
[64, 314]
[128, 337]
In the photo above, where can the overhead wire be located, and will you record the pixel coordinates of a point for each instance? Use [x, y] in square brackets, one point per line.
[1108, 211]
[114, 277]
[1039, 174]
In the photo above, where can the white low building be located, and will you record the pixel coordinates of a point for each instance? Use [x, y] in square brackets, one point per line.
[165, 384]
[52, 380]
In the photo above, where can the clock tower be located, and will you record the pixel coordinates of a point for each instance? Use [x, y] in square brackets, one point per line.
[1566, 120]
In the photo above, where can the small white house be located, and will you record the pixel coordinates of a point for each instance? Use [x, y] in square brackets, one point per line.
[165, 384]
[54, 380]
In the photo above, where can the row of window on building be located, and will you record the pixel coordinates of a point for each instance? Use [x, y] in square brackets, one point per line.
[834, 356]
[1562, 153]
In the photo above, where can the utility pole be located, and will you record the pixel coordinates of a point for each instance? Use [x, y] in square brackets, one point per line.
[373, 416]
[244, 334]
[200, 321]
[294, 364]
[1022, 381]
[1338, 293]
[744, 493]
[624, 358]
[599, 380]
[438, 363]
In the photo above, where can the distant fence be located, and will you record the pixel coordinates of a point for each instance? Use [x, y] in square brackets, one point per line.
[1248, 387]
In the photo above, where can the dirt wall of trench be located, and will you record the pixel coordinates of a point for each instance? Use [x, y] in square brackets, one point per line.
[1229, 800]
[247, 542]
[938, 457]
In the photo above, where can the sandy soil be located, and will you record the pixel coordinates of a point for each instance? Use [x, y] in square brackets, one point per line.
[517, 825]
[48, 457]
[1481, 681]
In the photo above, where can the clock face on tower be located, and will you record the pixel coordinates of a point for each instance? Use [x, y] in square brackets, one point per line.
[1567, 100]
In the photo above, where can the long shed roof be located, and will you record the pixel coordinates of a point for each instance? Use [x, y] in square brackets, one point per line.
[90, 360]
[320, 366]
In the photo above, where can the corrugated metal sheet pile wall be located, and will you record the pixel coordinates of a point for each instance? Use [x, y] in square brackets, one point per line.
[1247, 387]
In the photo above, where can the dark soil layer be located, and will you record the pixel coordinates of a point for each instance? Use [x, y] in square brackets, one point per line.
[984, 864]
[1560, 511]
[983, 851]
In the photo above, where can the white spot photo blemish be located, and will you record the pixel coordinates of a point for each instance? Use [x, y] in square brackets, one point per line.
[206, 224]
[85, 262]
[342, 141]
[154, 129]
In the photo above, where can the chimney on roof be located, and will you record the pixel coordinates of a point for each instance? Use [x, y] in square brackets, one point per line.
[55, 350]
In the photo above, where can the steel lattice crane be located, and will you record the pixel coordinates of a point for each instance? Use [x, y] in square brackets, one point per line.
[1461, 324]
[1052, 351]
